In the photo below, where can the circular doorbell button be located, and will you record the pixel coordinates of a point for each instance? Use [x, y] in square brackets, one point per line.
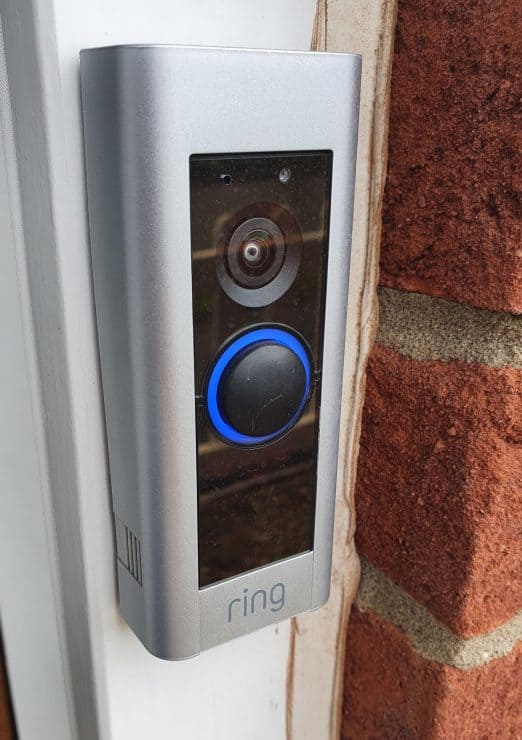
[262, 389]
[258, 386]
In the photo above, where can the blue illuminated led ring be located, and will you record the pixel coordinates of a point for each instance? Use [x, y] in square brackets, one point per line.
[278, 336]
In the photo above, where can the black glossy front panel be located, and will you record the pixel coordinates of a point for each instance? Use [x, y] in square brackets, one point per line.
[257, 505]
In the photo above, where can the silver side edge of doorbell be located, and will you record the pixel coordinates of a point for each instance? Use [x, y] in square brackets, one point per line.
[149, 109]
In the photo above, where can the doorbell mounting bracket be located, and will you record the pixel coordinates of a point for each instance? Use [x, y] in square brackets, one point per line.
[220, 191]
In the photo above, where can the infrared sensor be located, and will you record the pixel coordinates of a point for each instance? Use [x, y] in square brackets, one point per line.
[220, 191]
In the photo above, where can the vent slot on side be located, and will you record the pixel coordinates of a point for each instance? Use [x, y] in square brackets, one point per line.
[133, 556]
[129, 550]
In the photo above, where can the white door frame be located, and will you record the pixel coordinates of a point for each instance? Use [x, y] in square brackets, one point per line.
[75, 668]
[98, 664]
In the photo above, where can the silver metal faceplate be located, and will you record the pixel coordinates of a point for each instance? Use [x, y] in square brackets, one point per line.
[146, 110]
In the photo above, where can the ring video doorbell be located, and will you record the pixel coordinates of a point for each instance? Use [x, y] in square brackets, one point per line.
[220, 189]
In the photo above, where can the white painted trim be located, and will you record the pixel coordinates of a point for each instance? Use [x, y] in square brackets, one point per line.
[32, 626]
[319, 639]
[79, 659]
[116, 689]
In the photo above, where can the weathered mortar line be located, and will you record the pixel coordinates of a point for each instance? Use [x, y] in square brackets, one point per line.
[431, 639]
[427, 328]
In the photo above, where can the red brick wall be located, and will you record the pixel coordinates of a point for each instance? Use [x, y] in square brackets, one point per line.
[451, 217]
[7, 730]
[433, 641]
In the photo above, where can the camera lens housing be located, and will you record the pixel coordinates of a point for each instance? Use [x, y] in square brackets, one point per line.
[258, 254]
[255, 253]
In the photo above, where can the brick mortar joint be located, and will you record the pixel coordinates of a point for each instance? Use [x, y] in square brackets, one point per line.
[424, 327]
[429, 637]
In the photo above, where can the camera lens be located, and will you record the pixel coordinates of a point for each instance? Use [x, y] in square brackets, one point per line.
[258, 254]
[255, 252]
[252, 252]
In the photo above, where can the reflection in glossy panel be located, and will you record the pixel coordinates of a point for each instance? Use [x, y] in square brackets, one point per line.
[256, 505]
